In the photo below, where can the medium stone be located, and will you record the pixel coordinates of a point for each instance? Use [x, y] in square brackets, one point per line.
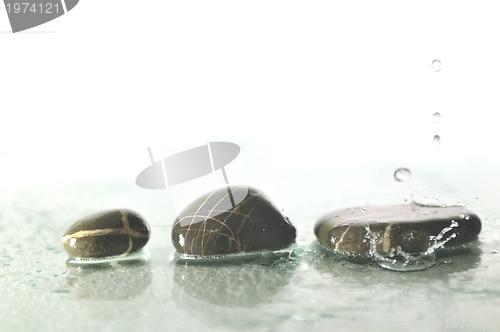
[232, 219]
[411, 228]
[106, 234]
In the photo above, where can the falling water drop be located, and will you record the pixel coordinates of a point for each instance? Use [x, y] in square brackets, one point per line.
[436, 117]
[436, 141]
[436, 65]
[402, 174]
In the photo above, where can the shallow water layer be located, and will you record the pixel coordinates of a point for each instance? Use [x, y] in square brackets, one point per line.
[312, 292]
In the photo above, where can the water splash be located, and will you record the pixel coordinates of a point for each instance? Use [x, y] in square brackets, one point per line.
[438, 241]
[402, 174]
[399, 260]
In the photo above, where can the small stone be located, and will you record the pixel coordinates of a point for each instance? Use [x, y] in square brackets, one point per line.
[230, 220]
[411, 228]
[106, 234]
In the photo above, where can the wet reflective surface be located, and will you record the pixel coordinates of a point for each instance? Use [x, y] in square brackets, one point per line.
[311, 290]
[121, 281]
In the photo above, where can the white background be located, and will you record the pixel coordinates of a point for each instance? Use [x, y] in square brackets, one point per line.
[329, 94]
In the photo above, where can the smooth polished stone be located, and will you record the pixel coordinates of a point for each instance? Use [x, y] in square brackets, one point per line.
[106, 234]
[230, 220]
[411, 228]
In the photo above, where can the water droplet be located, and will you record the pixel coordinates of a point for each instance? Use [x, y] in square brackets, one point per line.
[427, 201]
[436, 117]
[494, 252]
[436, 65]
[363, 210]
[436, 141]
[402, 174]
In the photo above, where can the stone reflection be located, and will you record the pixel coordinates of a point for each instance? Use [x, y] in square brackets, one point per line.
[233, 284]
[364, 279]
[110, 281]
[362, 286]
[448, 261]
[240, 297]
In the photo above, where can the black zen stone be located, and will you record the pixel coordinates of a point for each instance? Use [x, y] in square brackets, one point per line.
[106, 234]
[231, 220]
[411, 227]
